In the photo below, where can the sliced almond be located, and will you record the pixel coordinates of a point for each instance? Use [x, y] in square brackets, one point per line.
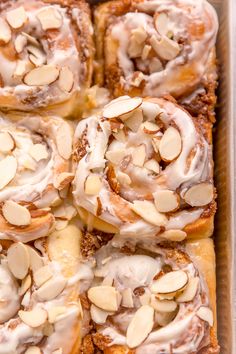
[148, 212]
[9, 166]
[38, 152]
[55, 312]
[139, 34]
[165, 48]
[66, 79]
[170, 144]
[5, 31]
[152, 165]
[170, 282]
[135, 48]
[30, 39]
[150, 128]
[50, 18]
[137, 78]
[36, 55]
[98, 316]
[155, 65]
[146, 51]
[34, 318]
[16, 214]
[161, 23]
[120, 136]
[145, 299]
[199, 195]
[104, 297]
[150, 110]
[41, 76]
[64, 141]
[20, 43]
[127, 298]
[166, 201]
[206, 315]
[139, 155]
[190, 291]
[93, 185]
[174, 235]
[116, 156]
[51, 289]
[123, 178]
[121, 107]
[63, 180]
[36, 262]
[163, 305]
[135, 120]
[42, 275]
[25, 285]
[33, 350]
[140, 326]
[18, 260]
[21, 68]
[164, 318]
[17, 17]
[7, 142]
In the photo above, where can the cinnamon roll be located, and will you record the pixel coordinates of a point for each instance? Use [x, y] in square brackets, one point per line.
[35, 167]
[152, 300]
[143, 168]
[46, 51]
[40, 308]
[155, 47]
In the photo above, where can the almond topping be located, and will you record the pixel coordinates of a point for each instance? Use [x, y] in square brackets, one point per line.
[137, 78]
[165, 48]
[127, 298]
[170, 282]
[163, 305]
[146, 51]
[16, 214]
[66, 79]
[139, 155]
[55, 312]
[174, 235]
[7, 143]
[64, 141]
[5, 31]
[18, 260]
[116, 156]
[20, 43]
[120, 136]
[17, 17]
[30, 39]
[166, 201]
[190, 291]
[43, 75]
[33, 318]
[140, 326]
[93, 185]
[25, 285]
[148, 212]
[150, 110]
[150, 128]
[38, 152]
[123, 178]
[63, 180]
[139, 34]
[206, 315]
[104, 297]
[9, 166]
[164, 318]
[36, 262]
[135, 48]
[153, 166]
[199, 195]
[161, 23]
[170, 144]
[135, 120]
[156, 144]
[42, 275]
[33, 350]
[98, 316]
[121, 107]
[21, 68]
[49, 18]
[37, 56]
[51, 289]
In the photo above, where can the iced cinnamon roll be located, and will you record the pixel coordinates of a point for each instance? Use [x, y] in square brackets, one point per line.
[143, 168]
[40, 308]
[46, 51]
[151, 300]
[155, 47]
[35, 155]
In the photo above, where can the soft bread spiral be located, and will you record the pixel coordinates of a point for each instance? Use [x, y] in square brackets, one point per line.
[35, 172]
[46, 49]
[145, 168]
[155, 47]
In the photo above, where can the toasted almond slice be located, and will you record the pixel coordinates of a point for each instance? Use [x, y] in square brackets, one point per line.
[16, 17]
[9, 166]
[166, 200]
[98, 316]
[127, 298]
[165, 48]
[206, 314]
[170, 144]
[163, 305]
[148, 212]
[135, 120]
[116, 156]
[146, 50]
[5, 31]
[50, 18]
[33, 350]
[137, 78]
[16, 214]
[150, 128]
[174, 235]
[164, 318]
[152, 165]
[199, 195]
[120, 136]
[156, 143]
[36, 262]
[61, 224]
[169, 296]
[135, 48]
[121, 107]
[7, 142]
[150, 110]
[51, 289]
[20, 43]
[170, 282]
[63, 180]
[41, 76]
[55, 312]
[93, 185]
[18, 260]
[140, 326]
[38, 152]
[139, 34]
[30, 39]
[64, 141]
[161, 23]
[42, 275]
[190, 291]
[34, 318]
[145, 299]
[36, 55]
[21, 68]
[155, 65]
[104, 297]
[66, 79]
[123, 178]
[25, 285]
[139, 155]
